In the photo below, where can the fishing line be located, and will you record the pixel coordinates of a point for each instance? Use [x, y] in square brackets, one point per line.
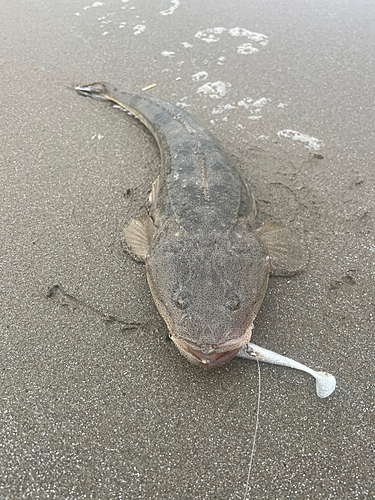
[255, 435]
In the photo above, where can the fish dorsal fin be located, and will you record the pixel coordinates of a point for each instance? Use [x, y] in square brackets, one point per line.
[288, 255]
[138, 235]
[153, 198]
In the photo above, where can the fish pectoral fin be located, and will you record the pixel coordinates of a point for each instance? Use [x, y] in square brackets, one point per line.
[138, 235]
[288, 254]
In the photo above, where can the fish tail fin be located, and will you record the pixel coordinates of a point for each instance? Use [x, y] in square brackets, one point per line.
[96, 90]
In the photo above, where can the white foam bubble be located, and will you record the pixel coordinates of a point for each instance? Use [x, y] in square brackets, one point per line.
[95, 4]
[165, 53]
[222, 108]
[210, 35]
[311, 143]
[254, 107]
[260, 102]
[168, 12]
[215, 90]
[139, 29]
[251, 35]
[201, 75]
[246, 49]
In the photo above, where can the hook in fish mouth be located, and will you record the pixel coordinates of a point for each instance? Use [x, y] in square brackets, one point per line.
[212, 356]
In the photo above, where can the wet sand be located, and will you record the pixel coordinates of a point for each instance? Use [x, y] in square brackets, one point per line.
[96, 402]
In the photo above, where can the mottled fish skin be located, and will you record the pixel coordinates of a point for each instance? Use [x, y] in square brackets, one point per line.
[207, 267]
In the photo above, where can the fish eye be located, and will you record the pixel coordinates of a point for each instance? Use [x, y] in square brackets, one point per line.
[233, 303]
[181, 302]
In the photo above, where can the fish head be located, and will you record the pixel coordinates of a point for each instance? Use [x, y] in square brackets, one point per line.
[209, 293]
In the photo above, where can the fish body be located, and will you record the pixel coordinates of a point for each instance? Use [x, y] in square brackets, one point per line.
[207, 266]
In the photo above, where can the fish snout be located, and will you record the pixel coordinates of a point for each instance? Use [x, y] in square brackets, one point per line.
[204, 356]
[211, 355]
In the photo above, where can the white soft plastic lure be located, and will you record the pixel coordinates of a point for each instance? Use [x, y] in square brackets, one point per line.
[325, 382]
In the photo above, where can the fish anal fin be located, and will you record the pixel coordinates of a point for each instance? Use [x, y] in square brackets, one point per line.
[138, 235]
[288, 254]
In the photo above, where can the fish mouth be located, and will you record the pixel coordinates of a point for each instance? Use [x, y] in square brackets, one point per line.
[212, 356]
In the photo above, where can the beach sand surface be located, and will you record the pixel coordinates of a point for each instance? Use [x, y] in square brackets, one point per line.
[96, 402]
